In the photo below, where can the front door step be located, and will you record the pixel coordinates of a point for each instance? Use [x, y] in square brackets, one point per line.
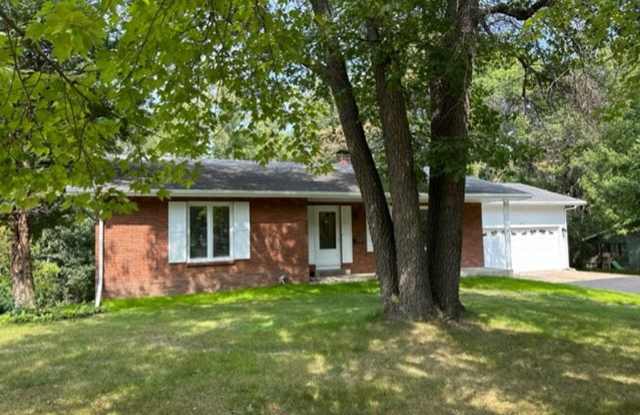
[331, 272]
[336, 279]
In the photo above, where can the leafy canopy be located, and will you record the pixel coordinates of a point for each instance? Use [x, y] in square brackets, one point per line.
[102, 88]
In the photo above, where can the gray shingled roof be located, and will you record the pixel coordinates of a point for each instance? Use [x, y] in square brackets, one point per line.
[240, 175]
[476, 185]
[539, 195]
[245, 175]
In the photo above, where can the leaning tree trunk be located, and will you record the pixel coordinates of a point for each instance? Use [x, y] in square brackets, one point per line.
[449, 91]
[378, 217]
[22, 278]
[413, 280]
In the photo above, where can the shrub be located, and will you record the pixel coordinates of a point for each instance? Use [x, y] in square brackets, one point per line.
[46, 279]
[6, 301]
[67, 312]
[70, 247]
[63, 268]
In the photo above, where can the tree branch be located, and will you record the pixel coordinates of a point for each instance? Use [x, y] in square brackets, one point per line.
[142, 45]
[36, 47]
[518, 13]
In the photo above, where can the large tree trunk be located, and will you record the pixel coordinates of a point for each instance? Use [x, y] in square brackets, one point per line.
[413, 280]
[446, 206]
[449, 133]
[378, 217]
[22, 278]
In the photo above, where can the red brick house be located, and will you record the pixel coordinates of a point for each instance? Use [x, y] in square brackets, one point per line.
[242, 224]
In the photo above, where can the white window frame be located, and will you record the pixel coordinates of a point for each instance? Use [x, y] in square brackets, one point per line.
[210, 257]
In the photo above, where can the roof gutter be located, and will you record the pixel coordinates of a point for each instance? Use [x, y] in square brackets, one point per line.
[573, 204]
[341, 196]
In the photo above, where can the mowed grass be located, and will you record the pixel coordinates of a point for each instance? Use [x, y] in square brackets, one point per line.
[524, 348]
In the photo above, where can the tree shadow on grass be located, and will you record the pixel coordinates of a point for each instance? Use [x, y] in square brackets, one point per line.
[574, 356]
[329, 354]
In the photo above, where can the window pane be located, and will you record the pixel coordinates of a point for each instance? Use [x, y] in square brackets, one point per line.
[221, 224]
[327, 230]
[197, 232]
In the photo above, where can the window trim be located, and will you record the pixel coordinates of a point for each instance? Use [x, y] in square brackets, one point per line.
[210, 258]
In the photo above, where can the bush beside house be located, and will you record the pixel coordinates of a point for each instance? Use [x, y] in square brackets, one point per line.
[63, 266]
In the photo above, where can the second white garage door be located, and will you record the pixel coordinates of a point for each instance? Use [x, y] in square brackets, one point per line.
[534, 249]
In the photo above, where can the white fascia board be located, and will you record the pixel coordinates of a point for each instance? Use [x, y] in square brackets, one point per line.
[543, 203]
[322, 196]
[342, 196]
[495, 197]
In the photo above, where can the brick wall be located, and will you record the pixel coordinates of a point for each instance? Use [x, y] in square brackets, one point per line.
[363, 261]
[136, 262]
[472, 245]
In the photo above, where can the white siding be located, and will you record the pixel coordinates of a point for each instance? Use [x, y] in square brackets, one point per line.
[524, 215]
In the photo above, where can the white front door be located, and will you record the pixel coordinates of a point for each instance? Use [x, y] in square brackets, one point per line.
[327, 237]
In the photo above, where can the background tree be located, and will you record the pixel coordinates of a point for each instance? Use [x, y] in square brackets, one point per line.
[561, 100]
[612, 167]
[63, 122]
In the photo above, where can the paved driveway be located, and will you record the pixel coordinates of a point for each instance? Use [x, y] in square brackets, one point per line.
[615, 282]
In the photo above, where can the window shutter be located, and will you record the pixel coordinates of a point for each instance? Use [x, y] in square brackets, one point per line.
[241, 230]
[369, 241]
[347, 238]
[311, 233]
[177, 232]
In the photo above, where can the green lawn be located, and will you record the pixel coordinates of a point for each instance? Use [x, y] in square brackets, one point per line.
[525, 347]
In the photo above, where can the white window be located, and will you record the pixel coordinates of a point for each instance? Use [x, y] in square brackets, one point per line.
[209, 231]
[209, 234]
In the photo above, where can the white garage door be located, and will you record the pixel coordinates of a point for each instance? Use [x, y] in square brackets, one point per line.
[532, 249]
[494, 250]
[536, 249]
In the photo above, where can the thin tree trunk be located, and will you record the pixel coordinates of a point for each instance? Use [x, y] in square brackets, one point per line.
[449, 132]
[22, 278]
[413, 279]
[378, 217]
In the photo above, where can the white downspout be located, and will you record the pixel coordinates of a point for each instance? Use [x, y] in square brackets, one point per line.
[506, 217]
[100, 264]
